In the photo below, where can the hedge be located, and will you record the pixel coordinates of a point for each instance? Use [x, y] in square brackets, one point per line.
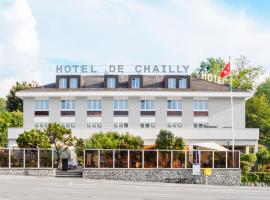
[256, 177]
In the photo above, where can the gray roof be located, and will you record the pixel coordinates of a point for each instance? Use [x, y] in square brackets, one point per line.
[150, 83]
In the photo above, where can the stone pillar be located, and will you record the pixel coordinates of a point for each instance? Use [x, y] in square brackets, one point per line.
[28, 112]
[134, 112]
[81, 112]
[161, 112]
[187, 112]
[107, 112]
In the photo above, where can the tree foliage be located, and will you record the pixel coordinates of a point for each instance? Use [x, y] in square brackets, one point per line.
[80, 146]
[167, 140]
[3, 105]
[258, 116]
[114, 140]
[211, 66]
[244, 76]
[7, 120]
[263, 155]
[60, 138]
[14, 103]
[33, 139]
[264, 89]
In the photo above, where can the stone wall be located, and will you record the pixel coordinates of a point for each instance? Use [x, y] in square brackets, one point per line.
[27, 172]
[218, 177]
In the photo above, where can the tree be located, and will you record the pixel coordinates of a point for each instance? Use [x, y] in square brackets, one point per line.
[245, 75]
[13, 102]
[264, 89]
[79, 145]
[179, 143]
[9, 119]
[60, 137]
[258, 116]
[2, 104]
[114, 140]
[166, 140]
[211, 66]
[33, 139]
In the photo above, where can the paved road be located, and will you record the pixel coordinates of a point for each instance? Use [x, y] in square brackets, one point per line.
[41, 188]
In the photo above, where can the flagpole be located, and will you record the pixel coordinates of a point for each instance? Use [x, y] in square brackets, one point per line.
[232, 116]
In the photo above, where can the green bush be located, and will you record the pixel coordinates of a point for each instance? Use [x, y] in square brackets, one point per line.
[167, 140]
[245, 167]
[251, 158]
[256, 177]
[114, 140]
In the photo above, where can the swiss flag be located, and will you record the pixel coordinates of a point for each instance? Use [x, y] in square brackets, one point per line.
[226, 70]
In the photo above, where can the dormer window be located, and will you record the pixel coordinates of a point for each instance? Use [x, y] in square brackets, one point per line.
[172, 83]
[62, 82]
[183, 83]
[73, 82]
[135, 83]
[111, 83]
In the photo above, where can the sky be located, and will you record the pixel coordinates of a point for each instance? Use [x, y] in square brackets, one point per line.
[36, 35]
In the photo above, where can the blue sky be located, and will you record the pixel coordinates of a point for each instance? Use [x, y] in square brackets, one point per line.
[35, 35]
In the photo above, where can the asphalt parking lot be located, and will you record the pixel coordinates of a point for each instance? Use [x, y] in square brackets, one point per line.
[41, 188]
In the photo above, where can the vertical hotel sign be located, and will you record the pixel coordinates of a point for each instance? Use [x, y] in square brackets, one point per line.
[121, 69]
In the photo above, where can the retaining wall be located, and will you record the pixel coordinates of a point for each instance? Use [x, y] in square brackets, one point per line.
[218, 177]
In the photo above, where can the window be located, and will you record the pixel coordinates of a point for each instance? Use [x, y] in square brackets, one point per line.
[147, 104]
[135, 83]
[183, 83]
[120, 125]
[110, 82]
[73, 82]
[174, 105]
[94, 125]
[41, 125]
[200, 105]
[67, 105]
[68, 125]
[200, 125]
[62, 82]
[147, 125]
[41, 105]
[174, 125]
[94, 105]
[120, 104]
[171, 82]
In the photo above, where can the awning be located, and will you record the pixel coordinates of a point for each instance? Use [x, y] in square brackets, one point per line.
[210, 145]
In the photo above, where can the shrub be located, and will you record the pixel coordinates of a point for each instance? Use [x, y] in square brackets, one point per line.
[166, 140]
[114, 140]
[251, 158]
[245, 167]
[179, 143]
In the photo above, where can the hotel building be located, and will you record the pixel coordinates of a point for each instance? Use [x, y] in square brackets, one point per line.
[195, 109]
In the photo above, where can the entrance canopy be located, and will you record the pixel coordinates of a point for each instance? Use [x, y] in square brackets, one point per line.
[210, 145]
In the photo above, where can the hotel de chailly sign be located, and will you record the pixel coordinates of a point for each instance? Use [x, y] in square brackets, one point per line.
[122, 69]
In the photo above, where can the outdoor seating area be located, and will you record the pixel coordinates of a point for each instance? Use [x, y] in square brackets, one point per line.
[122, 158]
[26, 158]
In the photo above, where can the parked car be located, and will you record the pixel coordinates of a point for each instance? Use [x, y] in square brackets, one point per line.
[72, 164]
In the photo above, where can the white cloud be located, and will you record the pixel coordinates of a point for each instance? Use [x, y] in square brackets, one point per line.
[19, 45]
[127, 32]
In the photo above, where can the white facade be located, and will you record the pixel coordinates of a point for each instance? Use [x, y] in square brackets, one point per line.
[196, 116]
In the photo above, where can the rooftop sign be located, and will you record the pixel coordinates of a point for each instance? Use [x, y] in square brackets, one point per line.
[213, 78]
[121, 69]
